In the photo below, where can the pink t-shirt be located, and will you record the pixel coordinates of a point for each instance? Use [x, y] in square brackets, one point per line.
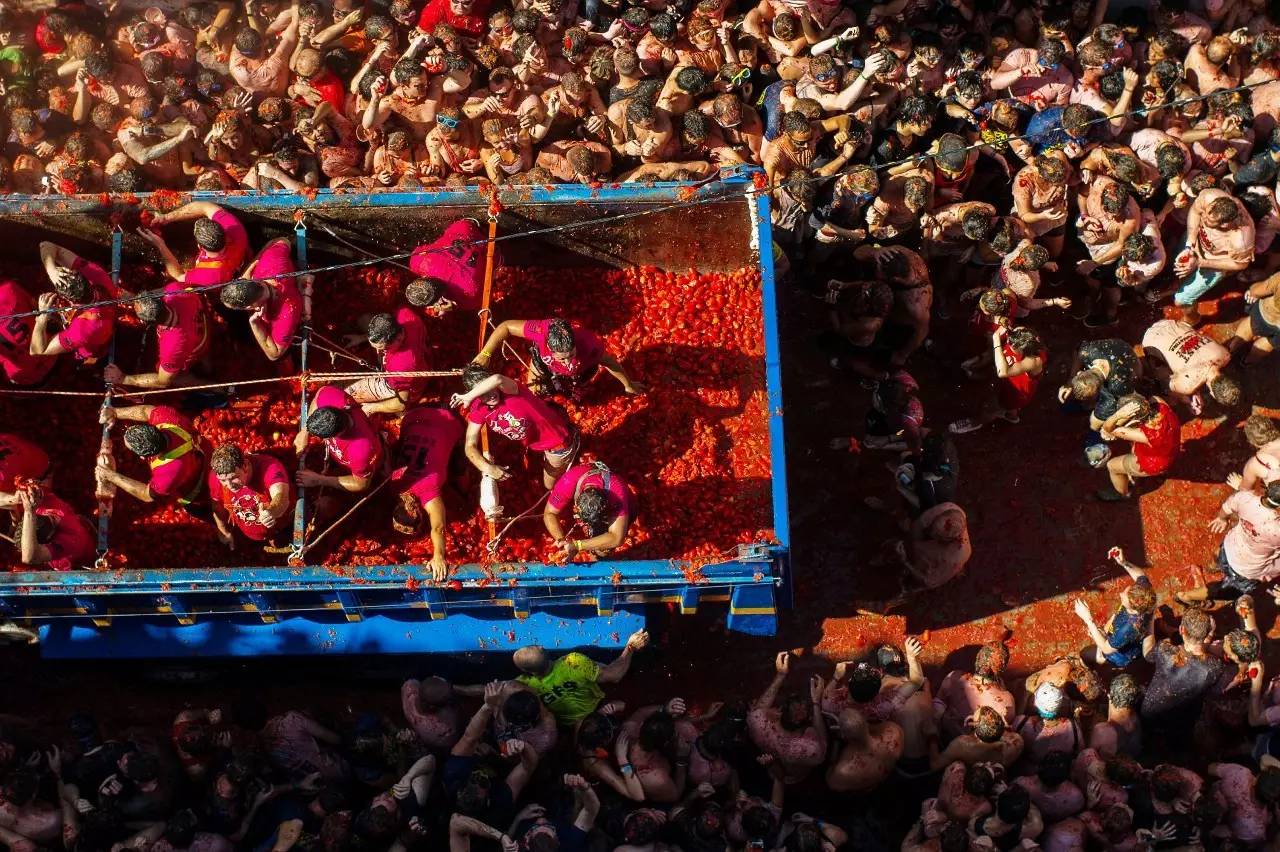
[619, 496]
[358, 448]
[588, 350]
[1252, 545]
[1248, 818]
[73, 542]
[245, 504]
[525, 419]
[408, 354]
[455, 261]
[221, 267]
[20, 458]
[180, 344]
[427, 438]
[16, 360]
[176, 477]
[88, 332]
[284, 313]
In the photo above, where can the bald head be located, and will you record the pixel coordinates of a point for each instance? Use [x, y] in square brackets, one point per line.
[531, 659]
[853, 725]
[435, 692]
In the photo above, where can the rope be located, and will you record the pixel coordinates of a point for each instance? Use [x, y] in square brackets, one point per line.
[365, 499]
[341, 350]
[484, 319]
[492, 546]
[310, 378]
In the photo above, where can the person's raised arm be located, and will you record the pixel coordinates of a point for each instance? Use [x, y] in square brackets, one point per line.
[844, 100]
[617, 670]
[332, 33]
[816, 689]
[519, 776]
[479, 724]
[1257, 714]
[463, 828]
[187, 212]
[1095, 635]
[586, 802]
[782, 665]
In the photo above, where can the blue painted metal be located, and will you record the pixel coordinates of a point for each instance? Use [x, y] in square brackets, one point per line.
[362, 609]
[145, 638]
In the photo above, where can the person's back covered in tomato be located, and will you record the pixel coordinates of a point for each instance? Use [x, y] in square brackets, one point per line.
[250, 492]
[450, 269]
[81, 328]
[350, 437]
[428, 437]
[50, 534]
[167, 440]
[598, 499]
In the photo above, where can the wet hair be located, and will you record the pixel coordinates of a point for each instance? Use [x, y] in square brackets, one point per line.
[226, 459]
[1225, 389]
[241, 295]
[1201, 181]
[522, 709]
[864, 682]
[1033, 257]
[692, 80]
[663, 26]
[977, 224]
[1142, 597]
[890, 660]
[592, 507]
[1115, 197]
[1259, 204]
[144, 440]
[1123, 692]
[154, 65]
[1111, 86]
[99, 65]
[988, 725]
[639, 109]
[1051, 168]
[1166, 783]
[1244, 645]
[1051, 51]
[1076, 118]
[994, 302]
[327, 421]
[1224, 210]
[979, 780]
[378, 27]
[969, 85]
[524, 22]
[209, 235]
[919, 109]
[794, 121]
[73, 286]
[582, 160]
[1167, 74]
[1024, 341]
[383, 328]
[657, 731]
[1054, 768]
[1093, 54]
[1122, 769]
[1014, 804]
[1196, 625]
[181, 829]
[423, 292]
[1260, 429]
[248, 42]
[915, 192]
[274, 110]
[1138, 247]
[786, 26]
[472, 375]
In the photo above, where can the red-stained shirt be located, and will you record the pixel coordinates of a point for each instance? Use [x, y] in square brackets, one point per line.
[20, 459]
[1164, 441]
[588, 350]
[427, 439]
[456, 261]
[407, 354]
[244, 505]
[175, 477]
[220, 267]
[73, 542]
[16, 360]
[359, 448]
[284, 313]
[619, 496]
[525, 419]
[180, 344]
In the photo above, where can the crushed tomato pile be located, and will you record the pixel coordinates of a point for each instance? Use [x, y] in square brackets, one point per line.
[694, 447]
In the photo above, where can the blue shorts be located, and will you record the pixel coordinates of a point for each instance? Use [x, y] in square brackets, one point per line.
[1194, 288]
[1231, 581]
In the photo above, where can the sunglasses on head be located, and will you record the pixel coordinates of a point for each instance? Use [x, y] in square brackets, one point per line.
[824, 76]
[447, 121]
[741, 77]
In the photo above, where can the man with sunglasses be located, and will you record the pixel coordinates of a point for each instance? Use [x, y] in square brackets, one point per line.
[822, 82]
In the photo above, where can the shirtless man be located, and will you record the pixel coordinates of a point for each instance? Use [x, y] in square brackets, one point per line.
[902, 203]
[962, 693]
[1185, 361]
[794, 736]
[1220, 238]
[1263, 467]
[1108, 215]
[989, 742]
[430, 709]
[906, 272]
[867, 756]
[1121, 731]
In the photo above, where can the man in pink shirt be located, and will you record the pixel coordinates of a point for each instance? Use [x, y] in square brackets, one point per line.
[401, 343]
[273, 297]
[348, 434]
[86, 332]
[428, 436]
[564, 356]
[602, 502]
[1038, 78]
[182, 337]
[451, 269]
[53, 537]
[220, 237]
[169, 443]
[510, 410]
[16, 361]
[19, 460]
[250, 492]
[255, 70]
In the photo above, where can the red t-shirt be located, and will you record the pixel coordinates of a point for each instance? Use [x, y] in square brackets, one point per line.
[409, 354]
[19, 365]
[457, 261]
[427, 438]
[1164, 442]
[525, 419]
[1016, 392]
[221, 267]
[438, 12]
[181, 344]
[178, 476]
[331, 90]
[588, 350]
[74, 542]
[20, 459]
[245, 504]
[619, 496]
[359, 448]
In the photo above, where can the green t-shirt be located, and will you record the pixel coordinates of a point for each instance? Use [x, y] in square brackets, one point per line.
[569, 690]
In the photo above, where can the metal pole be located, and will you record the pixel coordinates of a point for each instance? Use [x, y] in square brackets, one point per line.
[304, 345]
[105, 506]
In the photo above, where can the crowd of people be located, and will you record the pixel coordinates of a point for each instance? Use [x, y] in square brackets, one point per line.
[926, 161]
